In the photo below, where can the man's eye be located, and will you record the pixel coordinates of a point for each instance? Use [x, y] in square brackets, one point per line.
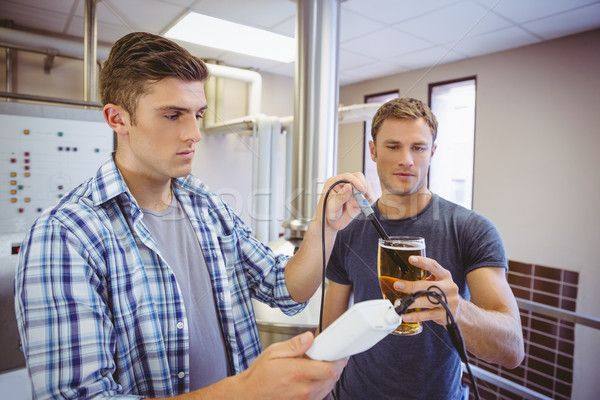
[172, 117]
[419, 148]
[392, 147]
[199, 116]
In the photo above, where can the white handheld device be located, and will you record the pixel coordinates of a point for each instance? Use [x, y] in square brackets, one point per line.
[358, 329]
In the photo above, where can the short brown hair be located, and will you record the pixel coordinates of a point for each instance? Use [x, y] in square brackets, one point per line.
[139, 59]
[404, 108]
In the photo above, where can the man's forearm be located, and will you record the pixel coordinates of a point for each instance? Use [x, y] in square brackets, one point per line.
[493, 336]
[303, 273]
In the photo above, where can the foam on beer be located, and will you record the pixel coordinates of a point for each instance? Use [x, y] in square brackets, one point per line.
[416, 246]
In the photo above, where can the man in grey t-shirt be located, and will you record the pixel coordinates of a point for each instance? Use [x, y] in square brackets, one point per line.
[465, 259]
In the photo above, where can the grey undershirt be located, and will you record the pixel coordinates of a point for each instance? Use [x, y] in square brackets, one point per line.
[178, 244]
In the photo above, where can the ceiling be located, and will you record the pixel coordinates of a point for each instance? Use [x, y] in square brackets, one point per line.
[377, 37]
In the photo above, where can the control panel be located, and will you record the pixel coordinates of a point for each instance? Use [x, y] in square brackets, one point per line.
[42, 159]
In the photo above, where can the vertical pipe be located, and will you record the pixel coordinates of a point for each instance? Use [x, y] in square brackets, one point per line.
[261, 199]
[89, 51]
[10, 68]
[210, 90]
[315, 107]
[275, 190]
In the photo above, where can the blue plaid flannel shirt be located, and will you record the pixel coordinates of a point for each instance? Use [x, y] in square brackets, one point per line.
[99, 311]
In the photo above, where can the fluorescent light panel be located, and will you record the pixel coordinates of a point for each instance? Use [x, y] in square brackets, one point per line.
[213, 32]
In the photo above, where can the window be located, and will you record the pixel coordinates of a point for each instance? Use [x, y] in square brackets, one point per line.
[369, 166]
[451, 171]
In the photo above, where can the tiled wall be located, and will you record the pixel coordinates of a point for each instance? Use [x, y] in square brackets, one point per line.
[549, 342]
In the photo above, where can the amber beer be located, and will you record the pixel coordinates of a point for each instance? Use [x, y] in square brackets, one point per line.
[392, 265]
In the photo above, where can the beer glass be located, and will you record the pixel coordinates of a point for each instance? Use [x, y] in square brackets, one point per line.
[392, 265]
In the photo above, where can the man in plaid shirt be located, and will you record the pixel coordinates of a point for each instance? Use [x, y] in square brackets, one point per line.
[138, 284]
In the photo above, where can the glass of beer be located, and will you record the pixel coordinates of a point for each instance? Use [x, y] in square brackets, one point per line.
[392, 265]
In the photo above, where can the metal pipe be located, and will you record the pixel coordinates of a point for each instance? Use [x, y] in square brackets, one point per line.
[559, 313]
[72, 48]
[506, 384]
[275, 188]
[244, 124]
[210, 90]
[45, 99]
[65, 47]
[287, 125]
[357, 112]
[315, 107]
[261, 177]
[10, 68]
[89, 51]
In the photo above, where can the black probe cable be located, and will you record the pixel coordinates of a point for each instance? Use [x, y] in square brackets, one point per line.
[366, 209]
[325, 255]
[323, 250]
[436, 296]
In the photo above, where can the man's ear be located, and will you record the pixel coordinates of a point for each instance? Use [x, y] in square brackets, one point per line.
[372, 150]
[116, 117]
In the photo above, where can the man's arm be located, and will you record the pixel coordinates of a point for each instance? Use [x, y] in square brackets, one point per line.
[278, 373]
[337, 299]
[490, 322]
[304, 271]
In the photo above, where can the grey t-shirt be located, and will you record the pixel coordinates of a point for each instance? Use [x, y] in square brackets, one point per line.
[424, 366]
[180, 248]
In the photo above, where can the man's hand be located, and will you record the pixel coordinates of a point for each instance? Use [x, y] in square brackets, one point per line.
[341, 205]
[489, 322]
[304, 271]
[438, 276]
[281, 372]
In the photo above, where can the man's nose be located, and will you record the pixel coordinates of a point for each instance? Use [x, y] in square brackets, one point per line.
[405, 157]
[191, 131]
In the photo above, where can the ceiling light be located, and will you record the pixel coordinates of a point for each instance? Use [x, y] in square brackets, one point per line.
[213, 32]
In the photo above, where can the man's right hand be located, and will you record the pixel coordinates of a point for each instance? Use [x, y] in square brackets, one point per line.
[281, 372]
